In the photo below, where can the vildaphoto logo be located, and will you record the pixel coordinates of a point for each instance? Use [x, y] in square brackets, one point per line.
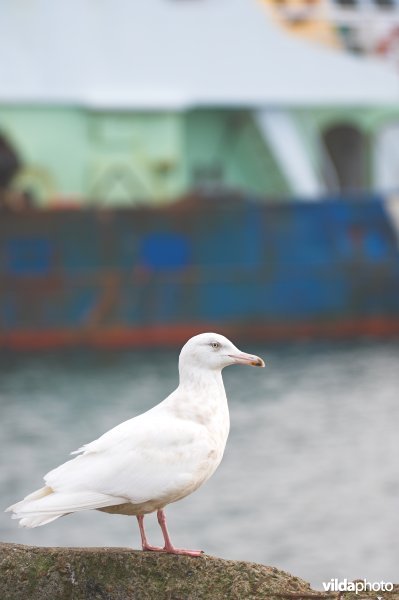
[360, 585]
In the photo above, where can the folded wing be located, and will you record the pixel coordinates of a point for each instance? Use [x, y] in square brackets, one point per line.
[140, 460]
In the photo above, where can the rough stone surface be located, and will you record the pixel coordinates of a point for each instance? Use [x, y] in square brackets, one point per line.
[36, 573]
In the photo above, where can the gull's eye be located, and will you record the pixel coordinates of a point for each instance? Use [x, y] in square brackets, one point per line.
[215, 345]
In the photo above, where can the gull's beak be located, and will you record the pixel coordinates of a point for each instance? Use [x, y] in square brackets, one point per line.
[242, 358]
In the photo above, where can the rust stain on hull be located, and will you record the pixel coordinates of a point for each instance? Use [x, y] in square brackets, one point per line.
[173, 336]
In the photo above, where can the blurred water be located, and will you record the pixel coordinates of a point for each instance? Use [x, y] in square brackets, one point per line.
[310, 479]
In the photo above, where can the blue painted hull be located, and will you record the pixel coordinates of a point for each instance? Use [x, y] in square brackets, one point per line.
[155, 276]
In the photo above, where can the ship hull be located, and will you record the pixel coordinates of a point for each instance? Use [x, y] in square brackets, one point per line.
[154, 277]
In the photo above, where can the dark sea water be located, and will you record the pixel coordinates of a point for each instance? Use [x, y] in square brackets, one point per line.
[310, 478]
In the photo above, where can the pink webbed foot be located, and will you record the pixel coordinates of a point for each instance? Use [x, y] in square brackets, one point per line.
[168, 548]
[149, 548]
[173, 550]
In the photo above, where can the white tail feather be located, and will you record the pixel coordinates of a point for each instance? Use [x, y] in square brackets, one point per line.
[35, 520]
[44, 491]
[45, 505]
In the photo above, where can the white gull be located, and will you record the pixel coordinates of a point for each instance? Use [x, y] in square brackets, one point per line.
[156, 458]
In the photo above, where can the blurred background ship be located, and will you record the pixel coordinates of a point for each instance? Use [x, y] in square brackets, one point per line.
[165, 169]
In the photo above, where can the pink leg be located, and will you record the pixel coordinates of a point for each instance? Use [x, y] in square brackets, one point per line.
[169, 548]
[144, 543]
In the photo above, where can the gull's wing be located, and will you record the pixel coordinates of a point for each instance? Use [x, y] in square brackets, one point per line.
[148, 457]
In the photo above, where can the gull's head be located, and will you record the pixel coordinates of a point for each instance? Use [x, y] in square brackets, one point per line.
[214, 351]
